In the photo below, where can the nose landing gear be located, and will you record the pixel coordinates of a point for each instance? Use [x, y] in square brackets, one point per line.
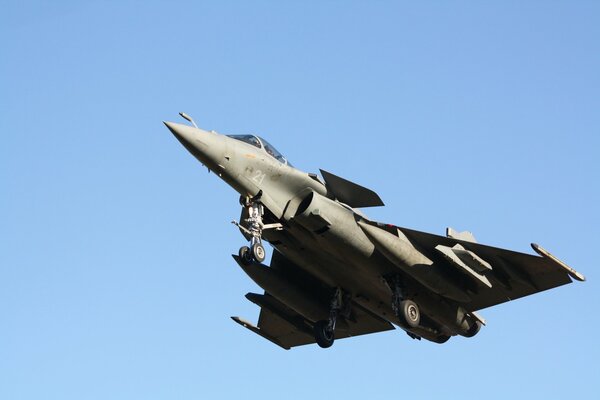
[255, 227]
[254, 253]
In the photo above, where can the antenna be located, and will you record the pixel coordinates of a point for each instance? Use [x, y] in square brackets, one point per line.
[187, 117]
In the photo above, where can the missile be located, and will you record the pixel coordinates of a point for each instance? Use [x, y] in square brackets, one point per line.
[273, 282]
[400, 251]
[545, 253]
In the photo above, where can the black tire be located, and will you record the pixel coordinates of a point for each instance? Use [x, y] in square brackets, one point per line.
[473, 330]
[258, 252]
[441, 339]
[323, 335]
[245, 255]
[410, 312]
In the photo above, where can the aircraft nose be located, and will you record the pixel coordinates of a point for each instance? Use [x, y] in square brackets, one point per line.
[207, 147]
[193, 139]
[183, 133]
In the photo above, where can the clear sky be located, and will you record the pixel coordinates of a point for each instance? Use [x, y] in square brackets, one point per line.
[116, 280]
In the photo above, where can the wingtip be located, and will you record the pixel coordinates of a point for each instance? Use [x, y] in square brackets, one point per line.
[240, 321]
[549, 256]
[248, 325]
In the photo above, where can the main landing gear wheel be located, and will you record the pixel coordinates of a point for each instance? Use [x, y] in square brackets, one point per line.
[324, 334]
[473, 330]
[410, 312]
[406, 310]
[442, 339]
[325, 330]
[258, 252]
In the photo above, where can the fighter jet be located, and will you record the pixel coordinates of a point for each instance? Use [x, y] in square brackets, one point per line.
[335, 273]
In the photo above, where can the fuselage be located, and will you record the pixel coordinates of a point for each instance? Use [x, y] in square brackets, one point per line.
[320, 234]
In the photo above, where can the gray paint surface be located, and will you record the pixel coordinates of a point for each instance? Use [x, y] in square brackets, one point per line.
[322, 244]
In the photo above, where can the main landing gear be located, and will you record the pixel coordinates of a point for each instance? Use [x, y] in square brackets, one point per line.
[406, 310]
[256, 251]
[325, 330]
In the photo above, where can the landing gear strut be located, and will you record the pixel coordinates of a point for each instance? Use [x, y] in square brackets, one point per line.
[406, 310]
[256, 251]
[325, 330]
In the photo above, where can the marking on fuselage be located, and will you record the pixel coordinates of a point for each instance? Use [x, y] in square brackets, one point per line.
[259, 176]
[249, 155]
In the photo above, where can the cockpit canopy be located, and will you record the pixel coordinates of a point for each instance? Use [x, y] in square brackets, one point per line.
[253, 140]
[261, 144]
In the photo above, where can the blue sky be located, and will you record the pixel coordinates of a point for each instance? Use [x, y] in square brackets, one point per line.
[116, 280]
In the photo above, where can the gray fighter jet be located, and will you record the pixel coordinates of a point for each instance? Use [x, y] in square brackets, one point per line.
[335, 273]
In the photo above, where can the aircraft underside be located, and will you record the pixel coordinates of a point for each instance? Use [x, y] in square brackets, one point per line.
[323, 284]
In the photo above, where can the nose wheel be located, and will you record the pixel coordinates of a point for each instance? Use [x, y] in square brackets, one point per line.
[258, 252]
[255, 253]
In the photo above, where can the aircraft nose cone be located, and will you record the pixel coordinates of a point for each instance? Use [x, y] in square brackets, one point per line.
[207, 147]
[194, 139]
[183, 133]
